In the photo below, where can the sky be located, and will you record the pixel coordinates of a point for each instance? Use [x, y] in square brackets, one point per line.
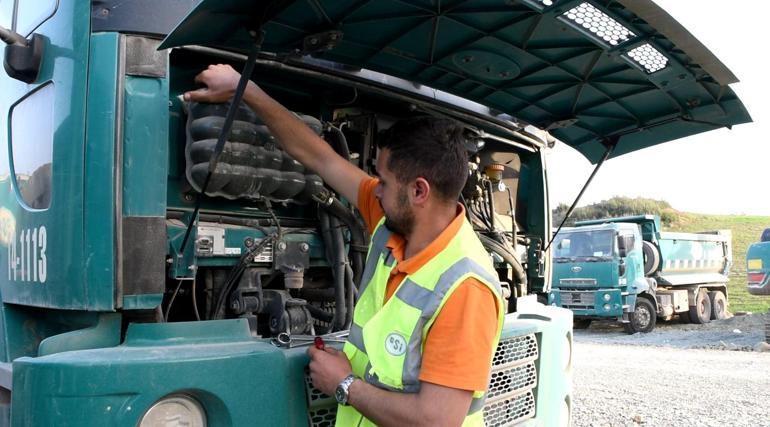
[718, 172]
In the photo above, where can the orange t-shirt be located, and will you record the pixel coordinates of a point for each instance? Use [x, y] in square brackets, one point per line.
[459, 345]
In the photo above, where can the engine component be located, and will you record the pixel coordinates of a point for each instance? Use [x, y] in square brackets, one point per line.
[495, 172]
[251, 165]
[473, 187]
[287, 314]
[292, 259]
[248, 297]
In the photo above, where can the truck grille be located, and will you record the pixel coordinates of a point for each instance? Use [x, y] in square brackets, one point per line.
[322, 409]
[511, 396]
[577, 299]
[577, 282]
[323, 417]
[510, 411]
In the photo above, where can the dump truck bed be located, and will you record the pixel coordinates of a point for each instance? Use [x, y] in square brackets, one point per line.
[692, 258]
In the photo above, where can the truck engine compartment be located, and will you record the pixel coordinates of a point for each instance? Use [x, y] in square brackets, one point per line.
[271, 243]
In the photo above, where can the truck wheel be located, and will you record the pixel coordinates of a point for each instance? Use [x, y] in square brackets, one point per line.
[718, 305]
[651, 258]
[581, 323]
[701, 312]
[642, 319]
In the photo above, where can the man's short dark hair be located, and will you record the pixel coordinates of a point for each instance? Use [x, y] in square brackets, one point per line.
[431, 148]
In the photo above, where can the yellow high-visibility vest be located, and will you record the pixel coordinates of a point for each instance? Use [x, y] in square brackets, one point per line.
[386, 339]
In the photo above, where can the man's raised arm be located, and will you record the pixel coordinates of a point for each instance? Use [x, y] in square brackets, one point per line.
[295, 137]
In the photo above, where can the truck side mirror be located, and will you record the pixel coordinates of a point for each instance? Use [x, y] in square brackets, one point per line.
[23, 57]
[622, 246]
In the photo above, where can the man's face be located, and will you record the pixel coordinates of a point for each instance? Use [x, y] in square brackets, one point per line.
[393, 197]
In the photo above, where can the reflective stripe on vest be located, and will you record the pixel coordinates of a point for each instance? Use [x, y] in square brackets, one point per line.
[420, 305]
[377, 248]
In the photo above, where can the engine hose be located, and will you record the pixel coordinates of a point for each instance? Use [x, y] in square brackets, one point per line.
[480, 212]
[358, 238]
[338, 248]
[340, 143]
[494, 246]
[326, 235]
[357, 233]
[490, 204]
[327, 224]
[319, 314]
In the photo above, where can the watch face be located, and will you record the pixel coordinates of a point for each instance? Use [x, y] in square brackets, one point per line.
[339, 394]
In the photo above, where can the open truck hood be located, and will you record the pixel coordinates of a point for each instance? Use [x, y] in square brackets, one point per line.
[598, 73]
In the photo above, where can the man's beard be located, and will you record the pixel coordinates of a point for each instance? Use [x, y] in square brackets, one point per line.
[402, 220]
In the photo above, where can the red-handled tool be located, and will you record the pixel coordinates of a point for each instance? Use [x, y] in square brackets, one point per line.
[319, 343]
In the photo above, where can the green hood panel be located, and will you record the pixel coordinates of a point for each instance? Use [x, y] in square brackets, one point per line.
[566, 67]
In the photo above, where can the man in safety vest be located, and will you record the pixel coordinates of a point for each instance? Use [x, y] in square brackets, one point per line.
[429, 313]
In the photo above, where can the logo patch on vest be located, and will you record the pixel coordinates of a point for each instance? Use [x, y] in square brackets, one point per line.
[395, 344]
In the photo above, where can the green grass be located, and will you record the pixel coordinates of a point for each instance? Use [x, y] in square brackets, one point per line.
[745, 230]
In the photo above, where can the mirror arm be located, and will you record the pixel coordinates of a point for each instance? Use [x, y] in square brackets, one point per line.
[12, 37]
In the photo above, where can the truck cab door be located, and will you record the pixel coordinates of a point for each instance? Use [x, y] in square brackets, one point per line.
[42, 137]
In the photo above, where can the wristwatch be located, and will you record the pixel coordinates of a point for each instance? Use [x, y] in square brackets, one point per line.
[342, 393]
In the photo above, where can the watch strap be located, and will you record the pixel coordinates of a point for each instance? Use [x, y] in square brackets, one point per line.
[344, 387]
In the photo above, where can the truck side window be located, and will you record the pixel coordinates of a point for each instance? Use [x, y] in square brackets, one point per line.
[6, 14]
[32, 130]
[31, 13]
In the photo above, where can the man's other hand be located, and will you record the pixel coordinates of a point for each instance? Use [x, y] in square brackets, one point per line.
[328, 368]
[220, 82]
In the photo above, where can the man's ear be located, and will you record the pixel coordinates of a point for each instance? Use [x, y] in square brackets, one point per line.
[420, 191]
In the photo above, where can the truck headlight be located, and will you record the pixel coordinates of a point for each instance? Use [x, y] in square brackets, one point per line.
[177, 409]
[607, 307]
[606, 297]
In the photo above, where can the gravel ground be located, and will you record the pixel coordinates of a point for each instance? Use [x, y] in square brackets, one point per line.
[676, 375]
[736, 333]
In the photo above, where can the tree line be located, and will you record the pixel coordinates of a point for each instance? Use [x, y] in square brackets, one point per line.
[615, 207]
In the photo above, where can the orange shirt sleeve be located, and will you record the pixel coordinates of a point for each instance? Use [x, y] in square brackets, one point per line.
[368, 204]
[460, 344]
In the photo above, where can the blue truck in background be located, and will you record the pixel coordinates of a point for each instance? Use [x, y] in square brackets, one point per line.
[758, 271]
[758, 265]
[629, 270]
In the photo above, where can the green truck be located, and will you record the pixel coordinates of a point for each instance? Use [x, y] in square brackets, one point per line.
[627, 269]
[758, 271]
[164, 260]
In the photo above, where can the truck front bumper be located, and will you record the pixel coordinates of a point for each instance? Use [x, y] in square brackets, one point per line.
[216, 364]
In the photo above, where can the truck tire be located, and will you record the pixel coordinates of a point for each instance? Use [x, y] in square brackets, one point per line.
[718, 305]
[651, 258]
[684, 317]
[581, 323]
[700, 313]
[642, 319]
